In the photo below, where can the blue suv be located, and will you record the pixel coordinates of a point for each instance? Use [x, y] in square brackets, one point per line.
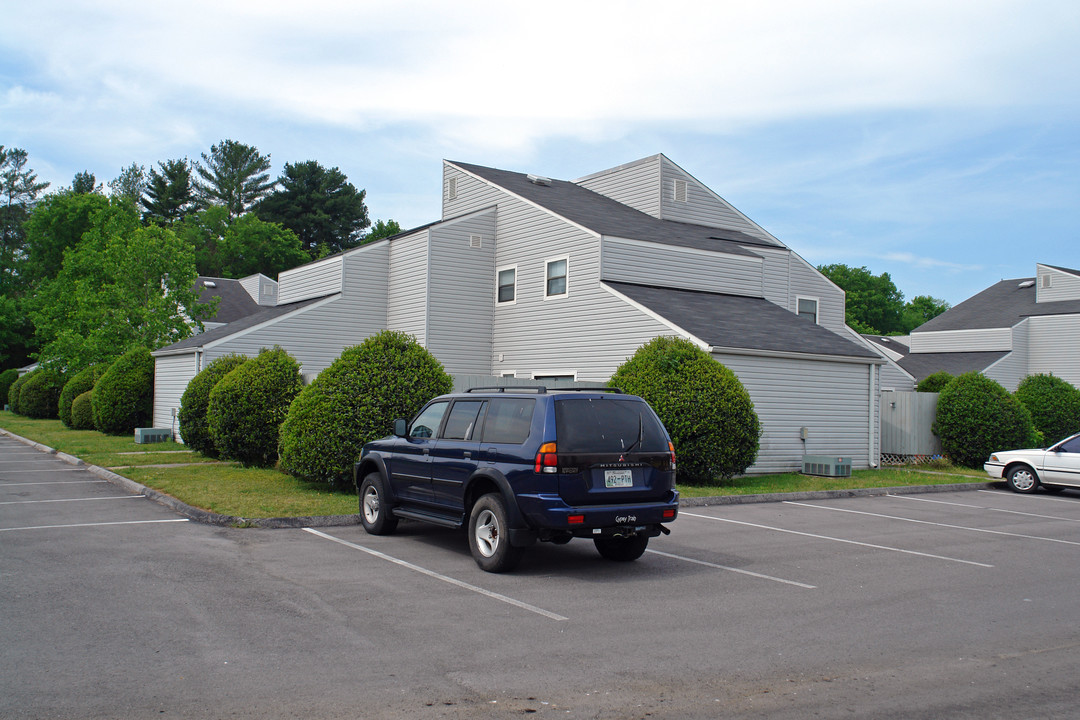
[521, 465]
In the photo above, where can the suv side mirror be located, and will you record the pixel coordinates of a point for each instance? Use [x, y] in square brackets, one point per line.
[400, 426]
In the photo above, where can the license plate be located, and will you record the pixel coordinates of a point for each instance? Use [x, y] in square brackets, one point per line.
[618, 478]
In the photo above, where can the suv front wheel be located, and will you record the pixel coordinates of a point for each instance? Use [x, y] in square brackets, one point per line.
[375, 513]
[489, 539]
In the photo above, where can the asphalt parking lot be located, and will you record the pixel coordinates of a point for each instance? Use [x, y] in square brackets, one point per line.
[952, 604]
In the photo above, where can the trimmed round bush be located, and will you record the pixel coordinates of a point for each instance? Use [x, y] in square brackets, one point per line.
[77, 385]
[40, 394]
[248, 405]
[704, 407]
[124, 396]
[82, 411]
[1054, 405]
[6, 379]
[356, 400]
[16, 389]
[935, 382]
[977, 416]
[194, 429]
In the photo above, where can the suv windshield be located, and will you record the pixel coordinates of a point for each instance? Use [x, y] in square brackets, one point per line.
[607, 425]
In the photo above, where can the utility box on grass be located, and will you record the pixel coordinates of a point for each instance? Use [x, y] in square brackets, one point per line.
[826, 465]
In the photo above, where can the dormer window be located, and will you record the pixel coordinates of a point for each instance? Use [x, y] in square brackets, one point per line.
[807, 307]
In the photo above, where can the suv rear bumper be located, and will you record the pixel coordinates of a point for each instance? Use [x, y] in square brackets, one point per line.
[550, 512]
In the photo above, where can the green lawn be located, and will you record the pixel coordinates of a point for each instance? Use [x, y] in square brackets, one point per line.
[229, 489]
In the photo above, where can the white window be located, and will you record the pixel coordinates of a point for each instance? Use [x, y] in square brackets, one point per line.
[807, 307]
[506, 280]
[557, 278]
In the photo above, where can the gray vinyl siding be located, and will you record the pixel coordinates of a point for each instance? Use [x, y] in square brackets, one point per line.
[472, 193]
[830, 399]
[807, 282]
[635, 184]
[702, 206]
[1064, 286]
[894, 378]
[980, 340]
[1054, 346]
[462, 294]
[316, 279]
[685, 268]
[171, 377]
[407, 300]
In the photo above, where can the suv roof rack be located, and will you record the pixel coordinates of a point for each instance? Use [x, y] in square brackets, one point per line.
[542, 389]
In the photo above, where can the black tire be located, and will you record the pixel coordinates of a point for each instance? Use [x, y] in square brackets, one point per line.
[623, 549]
[1022, 479]
[375, 514]
[489, 540]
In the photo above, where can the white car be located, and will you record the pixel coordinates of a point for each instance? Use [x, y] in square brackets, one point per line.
[1056, 467]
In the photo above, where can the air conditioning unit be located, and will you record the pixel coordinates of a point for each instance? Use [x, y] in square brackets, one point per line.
[826, 465]
[152, 435]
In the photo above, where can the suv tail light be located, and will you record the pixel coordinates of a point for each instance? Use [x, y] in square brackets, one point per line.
[546, 459]
[671, 451]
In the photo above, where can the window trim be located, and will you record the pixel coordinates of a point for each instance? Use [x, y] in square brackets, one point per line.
[561, 374]
[566, 277]
[817, 307]
[502, 269]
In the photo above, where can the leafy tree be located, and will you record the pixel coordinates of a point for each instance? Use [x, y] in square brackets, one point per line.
[252, 246]
[234, 175]
[170, 194]
[56, 224]
[321, 206]
[706, 410]
[356, 400]
[873, 304]
[19, 190]
[381, 230]
[205, 231]
[85, 182]
[123, 285]
[16, 343]
[977, 416]
[921, 309]
[131, 183]
[1054, 405]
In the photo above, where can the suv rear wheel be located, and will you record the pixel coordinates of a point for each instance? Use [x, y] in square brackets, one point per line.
[622, 549]
[375, 513]
[488, 537]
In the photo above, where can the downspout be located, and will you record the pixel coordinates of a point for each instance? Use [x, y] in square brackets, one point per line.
[873, 406]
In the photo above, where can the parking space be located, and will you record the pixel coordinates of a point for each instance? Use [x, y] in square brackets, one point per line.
[117, 607]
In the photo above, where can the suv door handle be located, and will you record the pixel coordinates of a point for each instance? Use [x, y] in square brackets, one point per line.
[468, 454]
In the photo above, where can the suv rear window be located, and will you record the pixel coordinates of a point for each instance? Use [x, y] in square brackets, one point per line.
[508, 420]
[607, 425]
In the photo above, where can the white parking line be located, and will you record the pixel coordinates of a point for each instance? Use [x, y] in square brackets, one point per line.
[54, 482]
[97, 524]
[31, 502]
[935, 524]
[1036, 498]
[836, 539]
[731, 569]
[985, 507]
[49, 470]
[437, 576]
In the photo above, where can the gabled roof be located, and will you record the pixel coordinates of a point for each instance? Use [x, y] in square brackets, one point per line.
[1065, 270]
[235, 301]
[605, 216]
[920, 365]
[734, 321]
[999, 306]
[894, 344]
[265, 315]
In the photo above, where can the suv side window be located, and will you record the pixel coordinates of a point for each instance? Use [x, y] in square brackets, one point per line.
[509, 420]
[461, 421]
[427, 422]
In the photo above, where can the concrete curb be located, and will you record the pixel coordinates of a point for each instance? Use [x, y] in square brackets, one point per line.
[210, 518]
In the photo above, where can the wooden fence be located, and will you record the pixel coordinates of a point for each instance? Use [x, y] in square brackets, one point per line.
[906, 419]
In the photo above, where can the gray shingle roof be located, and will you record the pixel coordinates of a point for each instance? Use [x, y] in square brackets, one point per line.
[203, 339]
[999, 306]
[235, 302]
[920, 365]
[741, 322]
[608, 217]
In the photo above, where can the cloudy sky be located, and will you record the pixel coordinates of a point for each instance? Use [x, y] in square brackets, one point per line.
[938, 141]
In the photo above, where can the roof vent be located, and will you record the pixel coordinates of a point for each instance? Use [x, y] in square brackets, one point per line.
[539, 180]
[680, 191]
[1026, 284]
[209, 283]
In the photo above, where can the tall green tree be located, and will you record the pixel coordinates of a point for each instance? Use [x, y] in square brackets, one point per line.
[321, 206]
[381, 230]
[234, 175]
[85, 182]
[19, 190]
[170, 194]
[205, 231]
[56, 224]
[920, 309]
[123, 285]
[239, 247]
[130, 184]
[873, 303]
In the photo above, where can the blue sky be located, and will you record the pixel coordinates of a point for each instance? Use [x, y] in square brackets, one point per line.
[936, 141]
